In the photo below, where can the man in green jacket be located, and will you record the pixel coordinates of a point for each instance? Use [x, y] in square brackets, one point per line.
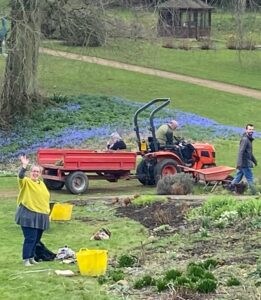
[164, 133]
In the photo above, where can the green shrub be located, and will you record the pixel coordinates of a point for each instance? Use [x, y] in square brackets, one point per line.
[203, 233]
[172, 274]
[59, 98]
[162, 285]
[216, 206]
[231, 42]
[195, 270]
[147, 199]
[126, 261]
[206, 44]
[235, 42]
[209, 264]
[179, 184]
[209, 275]
[185, 44]
[206, 222]
[184, 281]
[194, 278]
[233, 281]
[116, 275]
[206, 286]
[102, 279]
[138, 284]
[143, 282]
[249, 208]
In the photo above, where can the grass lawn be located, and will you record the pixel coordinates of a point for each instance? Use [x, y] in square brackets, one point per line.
[221, 65]
[40, 281]
[70, 77]
[3, 4]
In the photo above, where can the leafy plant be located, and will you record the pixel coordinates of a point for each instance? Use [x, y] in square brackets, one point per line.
[147, 280]
[126, 261]
[206, 286]
[195, 270]
[206, 221]
[172, 274]
[185, 282]
[148, 199]
[209, 264]
[203, 233]
[116, 275]
[233, 281]
[225, 209]
[209, 275]
[162, 285]
[102, 279]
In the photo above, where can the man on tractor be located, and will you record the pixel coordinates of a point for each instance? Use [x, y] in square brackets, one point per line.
[164, 133]
[167, 140]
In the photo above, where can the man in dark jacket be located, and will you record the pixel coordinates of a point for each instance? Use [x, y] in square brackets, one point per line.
[246, 159]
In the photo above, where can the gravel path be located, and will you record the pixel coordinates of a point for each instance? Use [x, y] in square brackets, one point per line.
[234, 89]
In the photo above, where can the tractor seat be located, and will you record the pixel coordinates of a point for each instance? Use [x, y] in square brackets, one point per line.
[151, 144]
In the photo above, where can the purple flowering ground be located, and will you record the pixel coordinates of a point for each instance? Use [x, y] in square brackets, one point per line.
[73, 121]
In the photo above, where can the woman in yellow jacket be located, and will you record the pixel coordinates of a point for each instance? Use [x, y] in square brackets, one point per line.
[33, 209]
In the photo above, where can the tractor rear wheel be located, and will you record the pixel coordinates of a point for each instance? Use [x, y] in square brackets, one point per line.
[166, 167]
[77, 182]
[144, 174]
[51, 184]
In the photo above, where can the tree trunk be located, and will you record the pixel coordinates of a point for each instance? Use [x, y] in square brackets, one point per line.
[20, 81]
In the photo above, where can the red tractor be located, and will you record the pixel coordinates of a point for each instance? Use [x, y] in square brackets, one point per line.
[157, 161]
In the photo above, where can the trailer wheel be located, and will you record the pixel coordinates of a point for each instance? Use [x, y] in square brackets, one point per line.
[53, 185]
[166, 167]
[77, 182]
[144, 174]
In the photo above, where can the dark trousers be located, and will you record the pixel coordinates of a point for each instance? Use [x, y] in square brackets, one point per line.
[32, 236]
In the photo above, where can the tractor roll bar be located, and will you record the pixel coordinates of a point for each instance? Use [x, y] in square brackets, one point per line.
[165, 101]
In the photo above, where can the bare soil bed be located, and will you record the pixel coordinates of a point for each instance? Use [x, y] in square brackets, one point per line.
[157, 214]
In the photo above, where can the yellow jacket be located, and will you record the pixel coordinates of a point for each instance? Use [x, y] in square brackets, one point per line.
[34, 195]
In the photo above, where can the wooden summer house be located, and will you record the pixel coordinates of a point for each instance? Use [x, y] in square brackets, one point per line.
[184, 19]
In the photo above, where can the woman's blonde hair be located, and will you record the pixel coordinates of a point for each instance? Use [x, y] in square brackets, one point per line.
[115, 136]
[36, 166]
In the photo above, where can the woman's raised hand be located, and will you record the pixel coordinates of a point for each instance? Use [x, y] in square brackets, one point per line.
[24, 161]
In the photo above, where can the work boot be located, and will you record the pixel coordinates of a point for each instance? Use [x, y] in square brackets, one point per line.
[253, 189]
[27, 263]
[33, 261]
[231, 187]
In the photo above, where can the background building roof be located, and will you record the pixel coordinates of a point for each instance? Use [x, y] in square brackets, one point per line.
[185, 4]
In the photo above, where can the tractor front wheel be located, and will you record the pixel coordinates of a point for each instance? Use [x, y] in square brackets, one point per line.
[166, 167]
[77, 182]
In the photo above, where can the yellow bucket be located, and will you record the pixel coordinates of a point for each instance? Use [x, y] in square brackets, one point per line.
[92, 262]
[61, 212]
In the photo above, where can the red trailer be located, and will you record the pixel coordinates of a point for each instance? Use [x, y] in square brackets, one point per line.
[74, 167]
